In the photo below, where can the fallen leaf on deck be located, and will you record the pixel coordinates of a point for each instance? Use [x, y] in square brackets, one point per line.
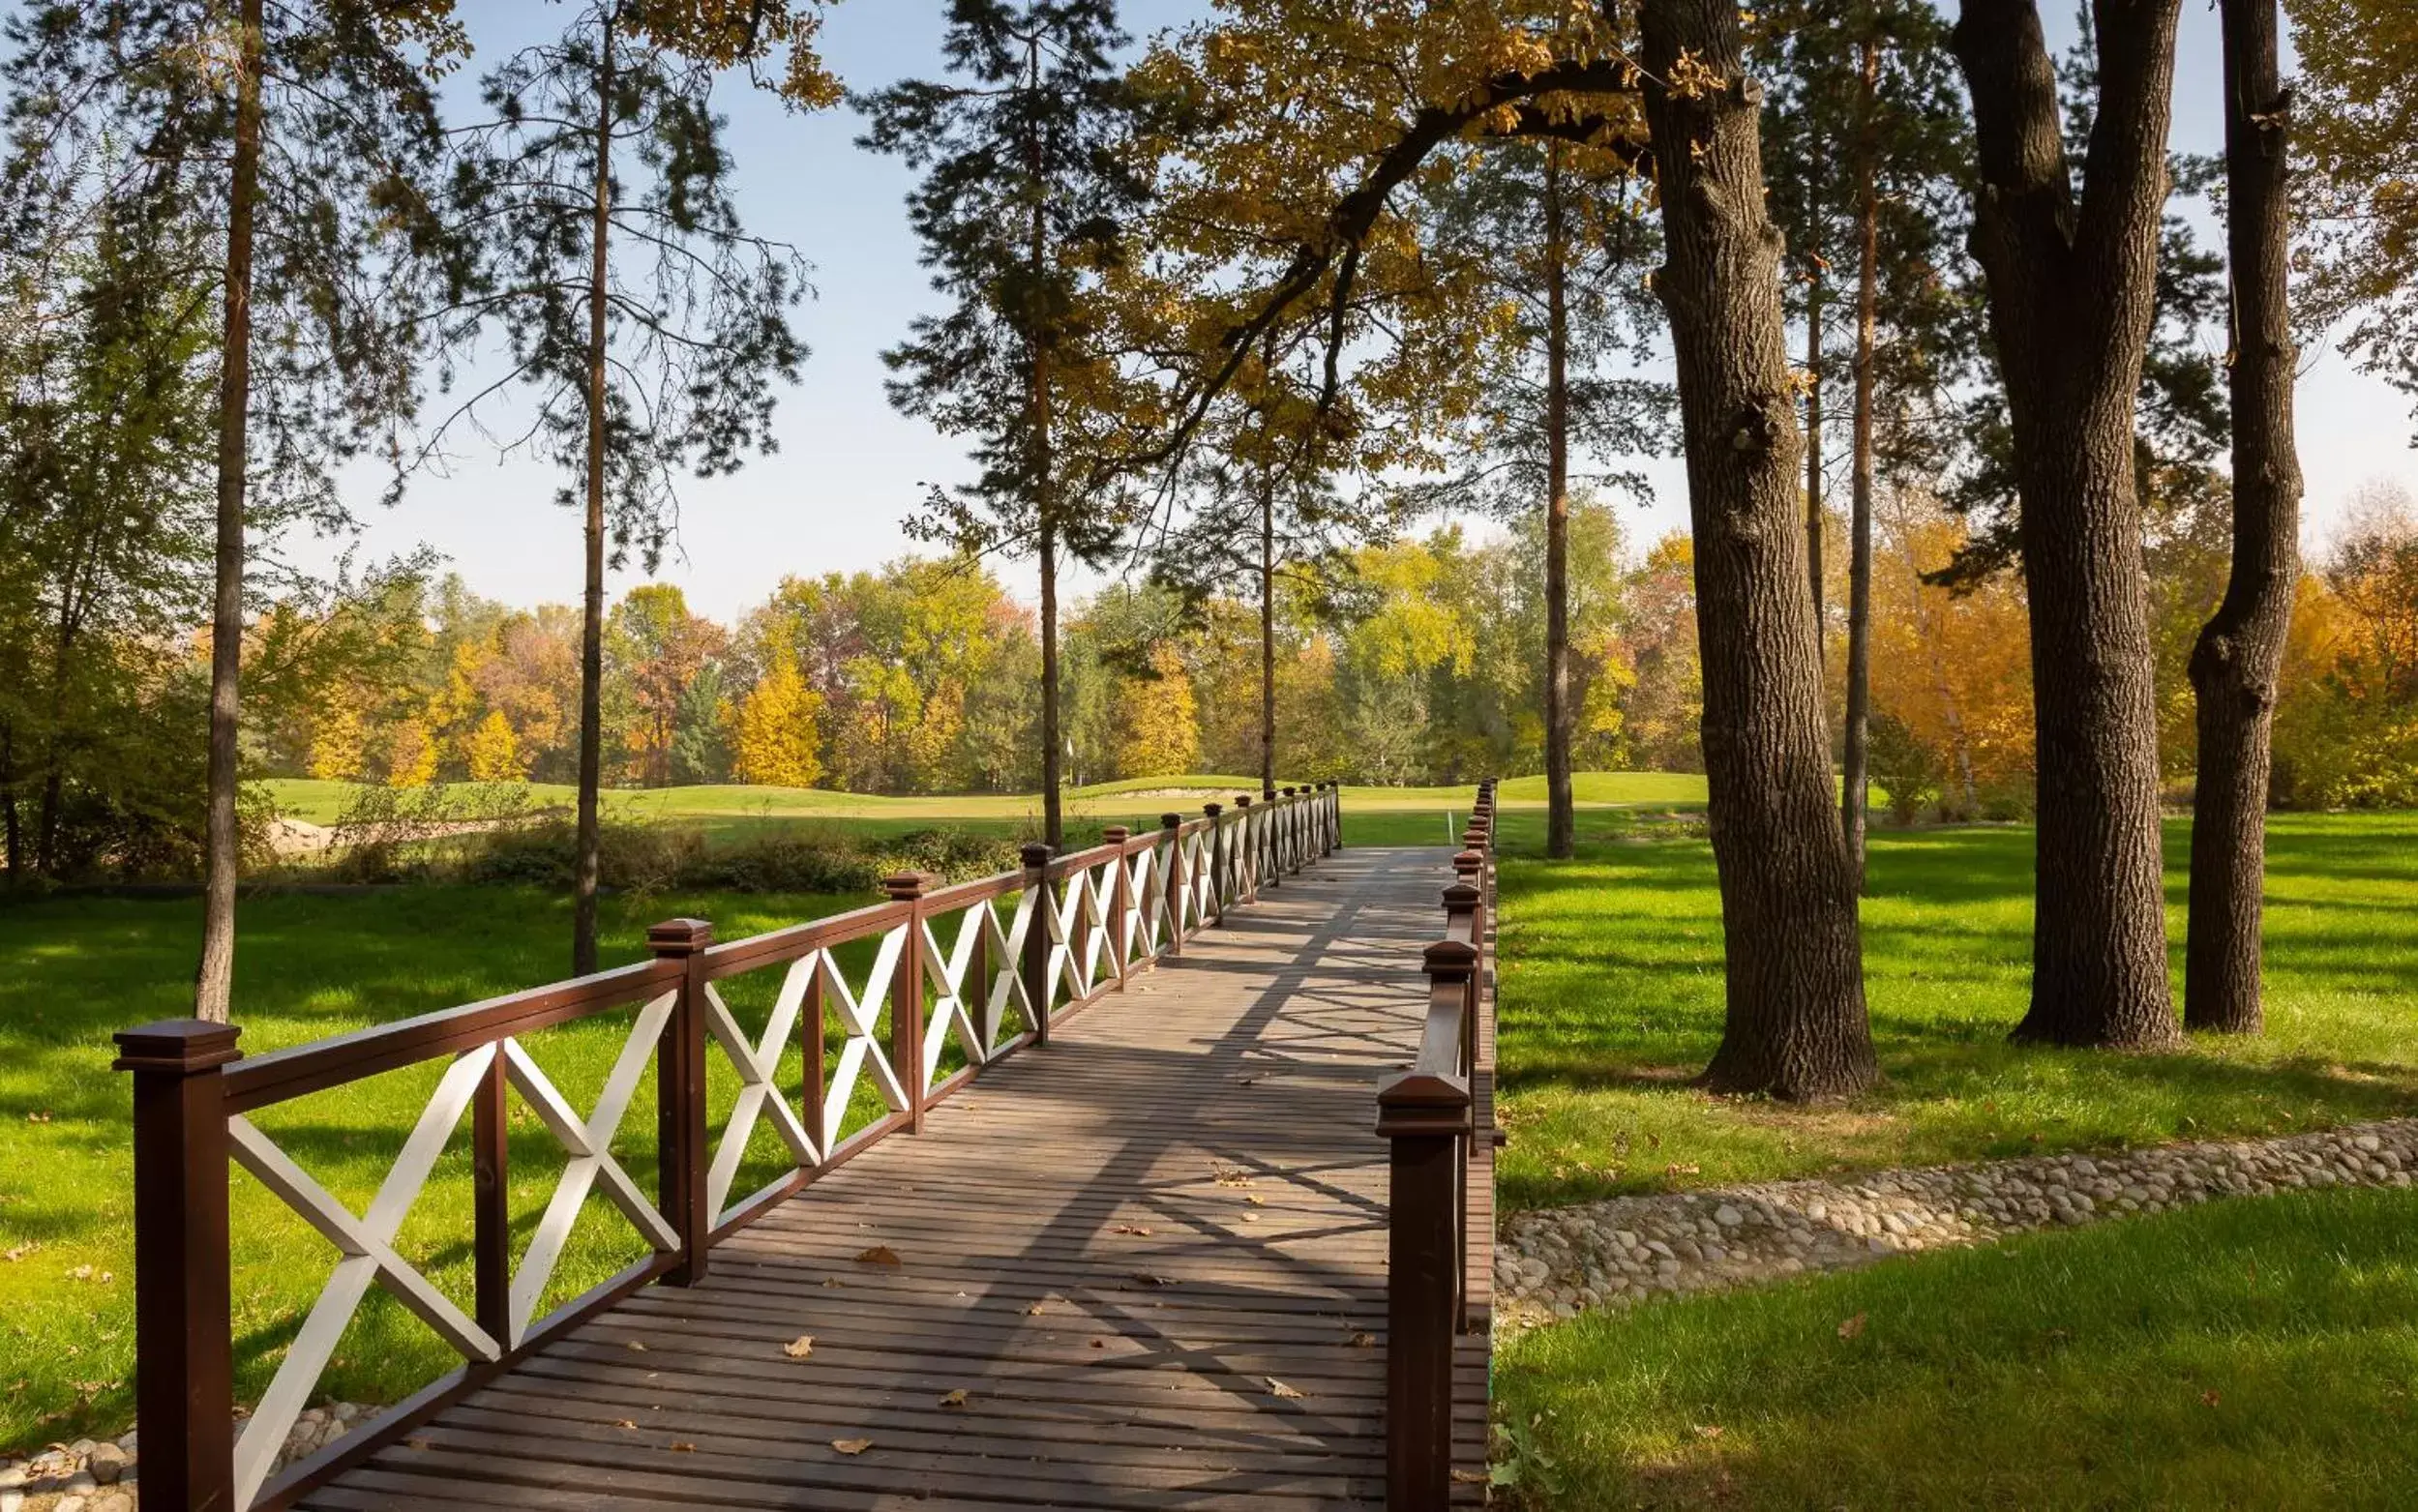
[1034, 1311]
[1250, 1218]
[878, 1255]
[955, 1397]
[682, 1446]
[852, 1445]
[623, 1422]
[1852, 1326]
[636, 1346]
[799, 1348]
[833, 1281]
[1279, 1388]
[1363, 1340]
[1140, 1229]
[1255, 1200]
[1472, 1477]
[1150, 1279]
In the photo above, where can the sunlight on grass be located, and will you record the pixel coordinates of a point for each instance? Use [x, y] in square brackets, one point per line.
[2173, 1361]
[1612, 1000]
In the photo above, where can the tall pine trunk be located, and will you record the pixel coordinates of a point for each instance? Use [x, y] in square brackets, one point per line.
[1854, 758]
[1267, 631]
[214, 981]
[2235, 663]
[1796, 1026]
[1053, 818]
[590, 862]
[2072, 289]
[1561, 806]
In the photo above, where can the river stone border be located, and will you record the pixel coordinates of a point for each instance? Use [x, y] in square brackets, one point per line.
[104, 1475]
[1556, 1263]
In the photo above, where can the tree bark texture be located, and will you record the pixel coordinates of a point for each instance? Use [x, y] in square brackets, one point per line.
[1267, 631]
[223, 835]
[1796, 1026]
[2237, 660]
[1855, 744]
[2071, 285]
[1044, 462]
[1815, 302]
[1561, 806]
[588, 866]
[1053, 818]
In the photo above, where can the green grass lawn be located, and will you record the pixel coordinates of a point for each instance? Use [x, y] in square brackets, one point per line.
[2250, 1353]
[1611, 1002]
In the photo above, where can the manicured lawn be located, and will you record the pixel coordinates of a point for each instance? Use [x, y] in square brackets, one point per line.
[1611, 1000]
[2250, 1353]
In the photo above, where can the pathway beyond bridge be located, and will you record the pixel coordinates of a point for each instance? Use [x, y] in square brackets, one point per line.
[1145, 1264]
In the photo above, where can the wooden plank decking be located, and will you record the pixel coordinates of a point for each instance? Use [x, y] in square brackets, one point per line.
[1129, 1251]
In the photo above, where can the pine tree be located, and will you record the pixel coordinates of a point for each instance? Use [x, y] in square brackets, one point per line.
[1026, 198]
[648, 325]
[307, 136]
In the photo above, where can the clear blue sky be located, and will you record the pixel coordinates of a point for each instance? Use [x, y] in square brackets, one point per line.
[849, 468]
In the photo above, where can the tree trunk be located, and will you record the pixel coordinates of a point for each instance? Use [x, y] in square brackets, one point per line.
[2235, 663]
[589, 865]
[1267, 631]
[1053, 819]
[1796, 1026]
[11, 824]
[222, 839]
[1852, 786]
[1560, 807]
[2071, 286]
[1813, 415]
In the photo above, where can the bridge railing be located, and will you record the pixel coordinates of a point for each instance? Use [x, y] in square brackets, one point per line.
[1437, 1117]
[960, 977]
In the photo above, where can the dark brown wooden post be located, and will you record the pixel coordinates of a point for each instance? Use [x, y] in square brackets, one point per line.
[1172, 881]
[680, 1098]
[810, 1031]
[1246, 852]
[1217, 859]
[1119, 902]
[1424, 1117]
[1335, 798]
[490, 1199]
[1460, 922]
[1468, 864]
[1288, 815]
[184, 1351]
[907, 996]
[1036, 962]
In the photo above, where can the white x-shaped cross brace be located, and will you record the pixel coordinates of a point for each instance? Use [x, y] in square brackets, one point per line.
[367, 1246]
[862, 1047]
[758, 1095]
[589, 1144]
[953, 1008]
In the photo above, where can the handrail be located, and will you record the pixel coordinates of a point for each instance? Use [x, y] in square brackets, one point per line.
[1079, 926]
[1435, 1118]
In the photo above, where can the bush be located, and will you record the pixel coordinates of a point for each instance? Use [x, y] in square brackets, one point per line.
[1905, 766]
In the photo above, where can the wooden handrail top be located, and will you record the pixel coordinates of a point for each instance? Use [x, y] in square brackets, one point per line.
[775, 947]
[258, 1081]
[960, 895]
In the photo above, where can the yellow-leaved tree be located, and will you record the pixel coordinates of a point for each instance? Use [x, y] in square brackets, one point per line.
[492, 751]
[779, 743]
[1158, 735]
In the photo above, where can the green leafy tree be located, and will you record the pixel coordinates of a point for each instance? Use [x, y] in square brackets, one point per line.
[1024, 201]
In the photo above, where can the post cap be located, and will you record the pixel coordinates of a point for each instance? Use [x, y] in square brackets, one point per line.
[183, 1045]
[1170, 820]
[1114, 835]
[1450, 958]
[1460, 896]
[903, 885]
[1288, 790]
[1034, 854]
[680, 937]
[1213, 810]
[1469, 861]
[1242, 800]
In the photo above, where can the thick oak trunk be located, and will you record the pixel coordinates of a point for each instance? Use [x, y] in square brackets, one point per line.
[2240, 651]
[589, 865]
[223, 836]
[1856, 742]
[1561, 805]
[1796, 1026]
[2072, 284]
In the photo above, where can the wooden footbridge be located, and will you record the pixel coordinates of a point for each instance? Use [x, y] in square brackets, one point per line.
[1178, 1194]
